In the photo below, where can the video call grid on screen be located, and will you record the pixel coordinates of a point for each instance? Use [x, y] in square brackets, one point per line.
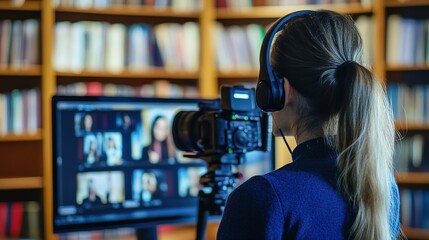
[115, 162]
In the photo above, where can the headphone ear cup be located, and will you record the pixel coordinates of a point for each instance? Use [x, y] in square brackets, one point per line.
[279, 96]
[270, 94]
[264, 95]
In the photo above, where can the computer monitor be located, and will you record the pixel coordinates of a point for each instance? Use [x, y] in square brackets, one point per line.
[115, 164]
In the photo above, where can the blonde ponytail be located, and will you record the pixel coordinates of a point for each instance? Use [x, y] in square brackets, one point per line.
[365, 141]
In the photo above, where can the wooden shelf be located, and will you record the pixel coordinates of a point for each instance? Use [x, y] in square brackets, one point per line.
[149, 74]
[129, 10]
[27, 6]
[37, 136]
[415, 233]
[21, 183]
[237, 74]
[274, 12]
[399, 68]
[413, 179]
[33, 71]
[407, 3]
[407, 126]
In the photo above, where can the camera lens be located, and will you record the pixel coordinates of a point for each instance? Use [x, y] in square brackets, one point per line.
[186, 131]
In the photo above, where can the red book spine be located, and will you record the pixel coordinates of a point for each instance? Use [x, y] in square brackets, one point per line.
[3, 219]
[94, 89]
[17, 212]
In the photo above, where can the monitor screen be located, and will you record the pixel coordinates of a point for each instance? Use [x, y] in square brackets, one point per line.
[115, 164]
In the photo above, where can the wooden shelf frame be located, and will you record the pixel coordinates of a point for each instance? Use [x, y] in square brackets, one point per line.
[32, 6]
[239, 74]
[407, 3]
[274, 12]
[152, 73]
[415, 233]
[411, 126]
[36, 136]
[30, 71]
[132, 10]
[417, 179]
[401, 68]
[21, 183]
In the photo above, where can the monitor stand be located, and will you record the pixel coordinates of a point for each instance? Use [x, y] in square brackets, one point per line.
[147, 233]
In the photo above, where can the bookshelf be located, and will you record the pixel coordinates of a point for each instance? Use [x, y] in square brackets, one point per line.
[409, 73]
[35, 175]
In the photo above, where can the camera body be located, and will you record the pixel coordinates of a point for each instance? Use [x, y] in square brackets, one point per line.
[230, 125]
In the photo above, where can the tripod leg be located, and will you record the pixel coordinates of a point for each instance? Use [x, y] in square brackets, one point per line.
[202, 220]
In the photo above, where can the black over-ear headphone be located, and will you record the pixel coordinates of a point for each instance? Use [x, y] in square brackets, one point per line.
[270, 90]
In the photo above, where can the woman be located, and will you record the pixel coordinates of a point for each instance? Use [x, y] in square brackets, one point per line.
[340, 184]
[157, 150]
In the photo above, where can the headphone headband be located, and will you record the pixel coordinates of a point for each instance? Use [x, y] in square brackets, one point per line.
[269, 89]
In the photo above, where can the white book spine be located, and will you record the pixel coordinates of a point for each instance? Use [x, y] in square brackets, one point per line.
[62, 46]
[77, 48]
[115, 52]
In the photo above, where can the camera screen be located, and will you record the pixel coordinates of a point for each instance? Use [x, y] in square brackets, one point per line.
[115, 162]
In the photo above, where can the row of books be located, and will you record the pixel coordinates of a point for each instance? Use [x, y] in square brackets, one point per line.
[412, 154]
[251, 3]
[159, 88]
[238, 47]
[100, 46]
[415, 208]
[20, 111]
[409, 102]
[19, 43]
[20, 220]
[407, 41]
[177, 5]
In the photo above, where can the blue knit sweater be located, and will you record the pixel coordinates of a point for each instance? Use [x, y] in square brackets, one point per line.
[297, 201]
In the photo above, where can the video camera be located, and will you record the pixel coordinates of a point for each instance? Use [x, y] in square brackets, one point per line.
[229, 125]
[220, 133]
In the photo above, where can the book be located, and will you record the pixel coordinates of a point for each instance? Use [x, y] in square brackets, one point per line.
[138, 47]
[17, 45]
[95, 47]
[62, 46]
[3, 219]
[365, 26]
[77, 48]
[6, 38]
[191, 46]
[34, 115]
[393, 34]
[255, 34]
[419, 46]
[17, 111]
[224, 54]
[3, 116]
[94, 89]
[426, 23]
[115, 48]
[31, 42]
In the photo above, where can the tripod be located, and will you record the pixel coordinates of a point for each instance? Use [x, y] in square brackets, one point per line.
[217, 183]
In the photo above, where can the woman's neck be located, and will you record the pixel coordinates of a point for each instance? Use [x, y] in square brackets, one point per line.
[303, 136]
